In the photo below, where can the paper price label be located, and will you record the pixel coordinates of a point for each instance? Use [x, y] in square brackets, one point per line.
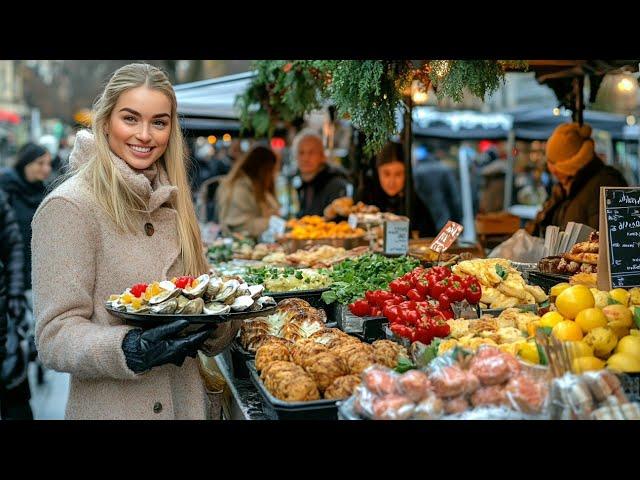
[277, 225]
[446, 237]
[396, 237]
[353, 220]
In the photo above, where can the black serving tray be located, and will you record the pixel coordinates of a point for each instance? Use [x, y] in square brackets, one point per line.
[277, 409]
[151, 319]
[546, 280]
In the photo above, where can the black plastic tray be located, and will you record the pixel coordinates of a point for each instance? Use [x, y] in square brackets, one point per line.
[279, 410]
[152, 319]
[546, 280]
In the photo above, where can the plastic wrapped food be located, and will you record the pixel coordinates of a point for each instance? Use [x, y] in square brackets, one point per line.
[456, 405]
[526, 394]
[430, 408]
[393, 407]
[414, 384]
[449, 381]
[493, 395]
[380, 380]
[491, 370]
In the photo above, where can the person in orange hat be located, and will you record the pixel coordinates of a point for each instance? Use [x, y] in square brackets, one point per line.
[580, 173]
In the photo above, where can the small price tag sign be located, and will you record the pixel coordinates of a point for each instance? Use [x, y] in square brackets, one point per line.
[446, 237]
[277, 225]
[353, 220]
[396, 237]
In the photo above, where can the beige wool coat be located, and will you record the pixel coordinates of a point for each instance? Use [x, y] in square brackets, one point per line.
[79, 259]
[238, 210]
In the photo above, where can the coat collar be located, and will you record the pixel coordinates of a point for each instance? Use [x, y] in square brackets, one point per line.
[152, 185]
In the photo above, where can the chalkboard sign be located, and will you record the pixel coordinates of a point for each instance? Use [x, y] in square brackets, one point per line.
[621, 242]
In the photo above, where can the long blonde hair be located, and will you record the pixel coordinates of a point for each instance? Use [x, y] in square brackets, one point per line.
[120, 202]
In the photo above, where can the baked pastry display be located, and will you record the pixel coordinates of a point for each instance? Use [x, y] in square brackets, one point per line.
[342, 387]
[583, 258]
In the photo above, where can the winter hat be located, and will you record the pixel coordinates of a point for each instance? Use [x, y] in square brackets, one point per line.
[569, 149]
[27, 154]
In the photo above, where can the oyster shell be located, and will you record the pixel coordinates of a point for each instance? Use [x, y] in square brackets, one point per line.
[168, 307]
[182, 301]
[255, 291]
[242, 303]
[215, 308]
[266, 302]
[243, 289]
[201, 287]
[227, 291]
[193, 307]
[141, 309]
[167, 285]
[116, 305]
[165, 295]
[214, 287]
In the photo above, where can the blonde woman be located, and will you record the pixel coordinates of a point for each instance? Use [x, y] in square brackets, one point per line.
[123, 216]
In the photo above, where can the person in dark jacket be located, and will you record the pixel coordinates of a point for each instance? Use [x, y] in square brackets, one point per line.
[387, 190]
[321, 183]
[14, 385]
[25, 187]
[3, 318]
[437, 186]
[580, 173]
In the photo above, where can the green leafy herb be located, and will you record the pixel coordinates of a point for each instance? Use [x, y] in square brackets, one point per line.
[546, 330]
[404, 365]
[542, 355]
[502, 273]
[298, 275]
[544, 304]
[431, 351]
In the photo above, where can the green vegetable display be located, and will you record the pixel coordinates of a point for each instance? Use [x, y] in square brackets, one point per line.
[353, 277]
[287, 279]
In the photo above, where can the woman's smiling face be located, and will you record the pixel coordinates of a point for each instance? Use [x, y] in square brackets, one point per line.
[139, 127]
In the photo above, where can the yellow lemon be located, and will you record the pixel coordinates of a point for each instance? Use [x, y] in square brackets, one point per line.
[551, 319]
[602, 340]
[580, 349]
[620, 295]
[529, 351]
[573, 300]
[601, 297]
[634, 332]
[567, 330]
[585, 364]
[531, 328]
[619, 319]
[624, 362]
[591, 318]
[629, 344]
[558, 289]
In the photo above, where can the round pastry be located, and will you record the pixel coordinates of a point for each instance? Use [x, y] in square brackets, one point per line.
[387, 352]
[359, 361]
[306, 348]
[297, 388]
[342, 387]
[324, 368]
[271, 352]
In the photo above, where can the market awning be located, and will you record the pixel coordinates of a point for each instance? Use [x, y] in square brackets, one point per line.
[212, 99]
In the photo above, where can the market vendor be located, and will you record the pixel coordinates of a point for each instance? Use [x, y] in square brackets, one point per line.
[246, 199]
[122, 215]
[580, 173]
[388, 190]
[321, 182]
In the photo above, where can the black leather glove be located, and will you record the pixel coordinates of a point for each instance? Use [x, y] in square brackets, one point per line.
[16, 307]
[157, 346]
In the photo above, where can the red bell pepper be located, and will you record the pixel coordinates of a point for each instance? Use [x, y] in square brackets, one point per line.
[138, 289]
[414, 295]
[473, 292]
[444, 302]
[399, 286]
[455, 291]
[360, 308]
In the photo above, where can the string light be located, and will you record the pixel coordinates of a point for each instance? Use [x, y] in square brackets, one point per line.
[212, 139]
[226, 137]
[631, 120]
[625, 85]
[556, 111]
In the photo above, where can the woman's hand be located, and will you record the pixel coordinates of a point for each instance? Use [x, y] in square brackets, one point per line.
[144, 350]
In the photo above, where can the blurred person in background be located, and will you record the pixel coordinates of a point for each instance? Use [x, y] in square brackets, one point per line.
[387, 191]
[437, 186]
[14, 382]
[25, 187]
[493, 170]
[580, 173]
[321, 182]
[246, 197]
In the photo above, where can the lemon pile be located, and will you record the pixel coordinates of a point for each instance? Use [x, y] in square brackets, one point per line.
[598, 326]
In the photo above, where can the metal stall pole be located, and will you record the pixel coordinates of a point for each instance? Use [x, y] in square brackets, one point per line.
[508, 179]
[468, 221]
[578, 89]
